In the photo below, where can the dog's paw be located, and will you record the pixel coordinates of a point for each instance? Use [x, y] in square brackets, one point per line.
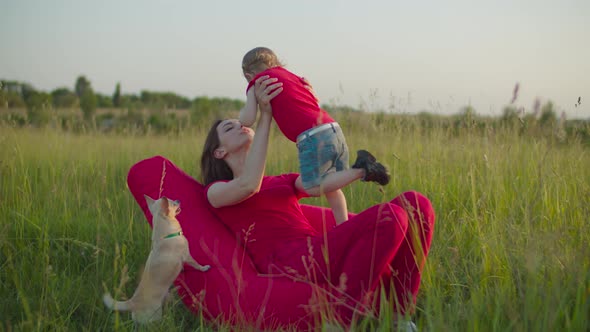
[205, 268]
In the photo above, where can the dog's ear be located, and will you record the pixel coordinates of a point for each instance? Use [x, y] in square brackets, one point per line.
[149, 200]
[164, 204]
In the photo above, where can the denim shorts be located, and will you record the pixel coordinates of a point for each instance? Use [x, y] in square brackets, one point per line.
[322, 153]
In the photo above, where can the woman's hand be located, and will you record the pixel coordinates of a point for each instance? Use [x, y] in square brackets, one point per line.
[265, 89]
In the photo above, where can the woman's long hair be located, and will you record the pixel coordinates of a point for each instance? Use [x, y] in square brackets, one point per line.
[213, 169]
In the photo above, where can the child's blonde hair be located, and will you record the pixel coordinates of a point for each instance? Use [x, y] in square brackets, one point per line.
[259, 59]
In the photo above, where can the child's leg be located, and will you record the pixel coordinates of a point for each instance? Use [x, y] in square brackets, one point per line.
[337, 202]
[330, 187]
[336, 180]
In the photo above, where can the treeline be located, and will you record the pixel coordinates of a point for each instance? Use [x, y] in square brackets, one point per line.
[123, 109]
[83, 110]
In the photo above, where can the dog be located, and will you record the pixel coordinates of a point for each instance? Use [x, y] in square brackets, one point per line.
[164, 263]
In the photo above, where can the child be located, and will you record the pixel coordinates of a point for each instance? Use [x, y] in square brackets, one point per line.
[323, 153]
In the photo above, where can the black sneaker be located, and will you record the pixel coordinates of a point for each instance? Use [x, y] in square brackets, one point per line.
[374, 171]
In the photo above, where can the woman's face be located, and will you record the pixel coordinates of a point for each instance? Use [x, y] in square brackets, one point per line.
[233, 136]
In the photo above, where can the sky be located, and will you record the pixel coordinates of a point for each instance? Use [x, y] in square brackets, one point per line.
[397, 56]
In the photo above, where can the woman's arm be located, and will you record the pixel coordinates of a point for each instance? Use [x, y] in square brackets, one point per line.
[248, 112]
[248, 182]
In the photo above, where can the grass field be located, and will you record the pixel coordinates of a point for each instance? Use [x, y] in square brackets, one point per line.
[511, 249]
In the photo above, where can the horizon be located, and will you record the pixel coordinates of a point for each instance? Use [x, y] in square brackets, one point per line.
[402, 58]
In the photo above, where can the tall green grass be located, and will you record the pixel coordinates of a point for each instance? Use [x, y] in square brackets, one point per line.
[511, 248]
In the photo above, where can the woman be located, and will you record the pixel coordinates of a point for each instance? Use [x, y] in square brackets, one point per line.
[383, 246]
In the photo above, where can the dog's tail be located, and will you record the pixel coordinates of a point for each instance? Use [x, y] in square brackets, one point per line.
[116, 305]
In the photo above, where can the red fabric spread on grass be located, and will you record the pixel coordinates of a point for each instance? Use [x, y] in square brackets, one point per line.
[295, 110]
[234, 292]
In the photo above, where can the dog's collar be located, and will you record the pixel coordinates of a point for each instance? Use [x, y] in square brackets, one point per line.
[172, 235]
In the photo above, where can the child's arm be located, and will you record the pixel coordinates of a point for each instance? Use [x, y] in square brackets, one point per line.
[310, 88]
[248, 112]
